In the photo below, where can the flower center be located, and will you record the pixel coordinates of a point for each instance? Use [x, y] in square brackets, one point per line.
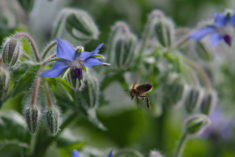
[77, 73]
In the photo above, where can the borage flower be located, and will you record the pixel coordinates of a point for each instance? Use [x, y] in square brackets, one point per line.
[76, 154]
[77, 60]
[220, 126]
[221, 30]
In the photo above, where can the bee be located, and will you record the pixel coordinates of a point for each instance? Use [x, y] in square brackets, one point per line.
[139, 90]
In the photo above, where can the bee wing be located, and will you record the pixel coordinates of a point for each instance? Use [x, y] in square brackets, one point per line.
[145, 87]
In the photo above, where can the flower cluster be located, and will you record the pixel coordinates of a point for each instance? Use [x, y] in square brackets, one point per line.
[220, 30]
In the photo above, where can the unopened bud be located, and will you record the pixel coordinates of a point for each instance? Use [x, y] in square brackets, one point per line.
[122, 45]
[164, 28]
[192, 99]
[155, 153]
[196, 123]
[11, 51]
[4, 81]
[203, 51]
[52, 119]
[207, 103]
[88, 96]
[32, 116]
[173, 93]
[27, 5]
[80, 25]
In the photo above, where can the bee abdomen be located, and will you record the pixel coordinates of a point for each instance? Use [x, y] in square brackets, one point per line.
[144, 87]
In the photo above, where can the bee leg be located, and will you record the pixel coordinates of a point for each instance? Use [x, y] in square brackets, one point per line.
[147, 101]
[137, 100]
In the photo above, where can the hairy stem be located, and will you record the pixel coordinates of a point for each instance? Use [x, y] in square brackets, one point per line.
[200, 72]
[32, 43]
[35, 90]
[48, 48]
[48, 94]
[180, 146]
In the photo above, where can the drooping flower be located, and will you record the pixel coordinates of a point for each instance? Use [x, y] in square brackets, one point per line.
[220, 30]
[76, 154]
[220, 127]
[76, 60]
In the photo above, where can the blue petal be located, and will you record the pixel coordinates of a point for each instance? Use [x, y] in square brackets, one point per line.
[57, 69]
[84, 55]
[232, 20]
[75, 153]
[110, 154]
[199, 34]
[220, 20]
[65, 50]
[215, 39]
[93, 61]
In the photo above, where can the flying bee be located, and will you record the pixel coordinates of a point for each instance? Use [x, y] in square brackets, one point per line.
[139, 90]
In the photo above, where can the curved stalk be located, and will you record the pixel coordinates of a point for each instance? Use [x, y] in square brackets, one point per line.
[32, 43]
[180, 146]
[48, 48]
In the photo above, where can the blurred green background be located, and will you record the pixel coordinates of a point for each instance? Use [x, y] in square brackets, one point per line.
[128, 126]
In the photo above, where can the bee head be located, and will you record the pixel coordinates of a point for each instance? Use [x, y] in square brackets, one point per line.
[131, 92]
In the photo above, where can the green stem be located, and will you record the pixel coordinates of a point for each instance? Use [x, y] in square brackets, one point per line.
[180, 146]
[48, 94]
[32, 42]
[48, 48]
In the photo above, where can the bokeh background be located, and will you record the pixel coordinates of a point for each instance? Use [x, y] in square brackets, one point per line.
[127, 126]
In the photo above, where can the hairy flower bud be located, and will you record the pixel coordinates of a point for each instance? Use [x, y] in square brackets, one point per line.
[78, 24]
[27, 5]
[203, 51]
[173, 93]
[196, 123]
[121, 47]
[11, 51]
[32, 115]
[163, 28]
[207, 103]
[192, 99]
[52, 119]
[4, 81]
[88, 96]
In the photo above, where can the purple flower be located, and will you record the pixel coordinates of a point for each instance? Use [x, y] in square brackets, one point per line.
[221, 30]
[76, 154]
[73, 59]
[219, 126]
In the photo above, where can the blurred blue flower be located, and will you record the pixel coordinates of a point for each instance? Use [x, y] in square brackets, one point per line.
[219, 126]
[221, 30]
[73, 59]
[76, 154]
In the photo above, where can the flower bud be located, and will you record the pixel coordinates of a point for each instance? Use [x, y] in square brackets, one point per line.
[88, 96]
[52, 119]
[122, 44]
[196, 123]
[173, 93]
[79, 24]
[32, 115]
[155, 153]
[207, 103]
[27, 5]
[4, 81]
[192, 99]
[11, 51]
[203, 51]
[128, 153]
[163, 28]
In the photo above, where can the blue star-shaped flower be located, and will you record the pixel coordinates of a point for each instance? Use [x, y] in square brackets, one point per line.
[219, 31]
[73, 59]
[76, 154]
